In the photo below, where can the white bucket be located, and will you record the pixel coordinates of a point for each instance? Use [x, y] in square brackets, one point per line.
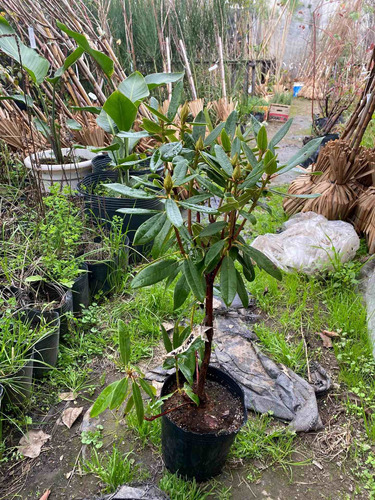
[65, 175]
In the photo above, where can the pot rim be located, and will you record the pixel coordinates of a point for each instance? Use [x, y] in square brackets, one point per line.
[58, 167]
[206, 434]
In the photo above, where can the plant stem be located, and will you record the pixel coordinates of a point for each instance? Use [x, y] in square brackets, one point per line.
[208, 321]
[177, 374]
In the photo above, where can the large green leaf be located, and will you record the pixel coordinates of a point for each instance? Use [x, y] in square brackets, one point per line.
[156, 79]
[69, 61]
[106, 123]
[214, 134]
[104, 61]
[194, 279]
[154, 273]
[213, 255]
[223, 160]
[241, 290]
[280, 134]
[138, 402]
[212, 229]
[173, 212]
[134, 87]
[119, 394]
[149, 229]
[263, 261]
[228, 280]
[124, 342]
[181, 292]
[231, 124]
[121, 110]
[11, 45]
[166, 340]
[198, 208]
[175, 100]
[103, 400]
[302, 155]
[199, 130]
[128, 191]
[250, 156]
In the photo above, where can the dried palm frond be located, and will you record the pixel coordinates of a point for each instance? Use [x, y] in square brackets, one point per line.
[19, 136]
[302, 185]
[363, 217]
[196, 106]
[223, 108]
[335, 200]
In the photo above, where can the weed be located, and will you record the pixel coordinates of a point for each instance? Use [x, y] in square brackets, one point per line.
[180, 489]
[149, 433]
[114, 469]
[288, 353]
[93, 438]
[258, 440]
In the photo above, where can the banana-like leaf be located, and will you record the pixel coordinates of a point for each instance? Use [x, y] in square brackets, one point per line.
[11, 45]
[156, 79]
[121, 110]
[175, 100]
[134, 87]
[103, 60]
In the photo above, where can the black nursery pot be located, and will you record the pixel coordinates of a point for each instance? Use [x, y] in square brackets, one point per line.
[102, 275]
[81, 291]
[193, 455]
[23, 380]
[46, 350]
[100, 163]
[65, 308]
[104, 208]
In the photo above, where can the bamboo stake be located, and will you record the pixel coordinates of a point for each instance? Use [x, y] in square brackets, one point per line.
[169, 66]
[221, 65]
[188, 70]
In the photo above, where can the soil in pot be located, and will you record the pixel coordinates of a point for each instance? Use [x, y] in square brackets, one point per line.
[201, 451]
[222, 412]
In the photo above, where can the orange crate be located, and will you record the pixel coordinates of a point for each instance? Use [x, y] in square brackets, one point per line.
[278, 112]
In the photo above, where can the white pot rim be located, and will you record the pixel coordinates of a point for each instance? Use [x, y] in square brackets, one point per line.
[48, 153]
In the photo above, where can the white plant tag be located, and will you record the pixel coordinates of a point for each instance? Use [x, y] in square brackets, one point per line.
[30, 29]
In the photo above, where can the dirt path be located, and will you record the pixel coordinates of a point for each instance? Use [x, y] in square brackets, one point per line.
[301, 113]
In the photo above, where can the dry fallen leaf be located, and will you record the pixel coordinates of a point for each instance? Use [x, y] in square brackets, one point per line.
[327, 343]
[45, 495]
[67, 396]
[31, 443]
[70, 415]
[330, 334]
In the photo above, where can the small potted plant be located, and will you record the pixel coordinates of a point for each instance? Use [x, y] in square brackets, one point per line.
[218, 186]
[57, 165]
[117, 117]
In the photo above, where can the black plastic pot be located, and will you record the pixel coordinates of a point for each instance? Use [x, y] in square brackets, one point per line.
[193, 455]
[102, 275]
[81, 291]
[65, 308]
[102, 163]
[22, 382]
[104, 208]
[47, 348]
[312, 159]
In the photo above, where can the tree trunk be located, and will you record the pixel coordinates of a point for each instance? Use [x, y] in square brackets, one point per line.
[208, 321]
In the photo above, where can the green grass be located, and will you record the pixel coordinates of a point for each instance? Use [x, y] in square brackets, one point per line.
[114, 469]
[261, 440]
[178, 488]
